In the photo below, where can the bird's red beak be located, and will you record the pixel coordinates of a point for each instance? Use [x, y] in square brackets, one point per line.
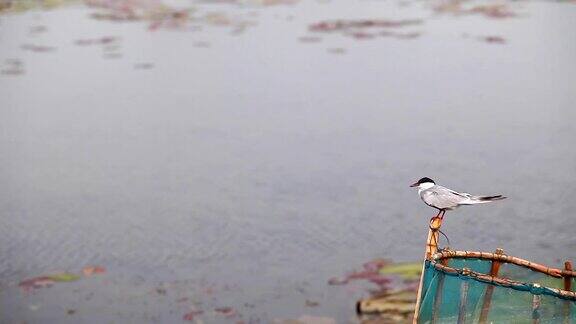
[415, 184]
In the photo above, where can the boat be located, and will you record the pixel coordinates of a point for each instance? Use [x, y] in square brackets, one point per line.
[487, 287]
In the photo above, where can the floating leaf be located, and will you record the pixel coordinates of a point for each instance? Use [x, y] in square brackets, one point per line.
[37, 48]
[63, 277]
[226, 311]
[47, 281]
[35, 283]
[498, 11]
[398, 303]
[405, 270]
[190, 315]
[493, 11]
[375, 264]
[91, 270]
[340, 25]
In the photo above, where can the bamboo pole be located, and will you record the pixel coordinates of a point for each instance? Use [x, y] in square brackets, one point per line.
[567, 287]
[438, 296]
[431, 248]
[494, 268]
[536, 309]
[463, 299]
[554, 272]
[568, 279]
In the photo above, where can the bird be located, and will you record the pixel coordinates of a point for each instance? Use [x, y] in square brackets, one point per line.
[445, 199]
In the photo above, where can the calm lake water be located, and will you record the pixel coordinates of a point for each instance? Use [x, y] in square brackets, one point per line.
[222, 166]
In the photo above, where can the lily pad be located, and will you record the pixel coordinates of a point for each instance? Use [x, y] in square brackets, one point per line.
[63, 277]
[404, 270]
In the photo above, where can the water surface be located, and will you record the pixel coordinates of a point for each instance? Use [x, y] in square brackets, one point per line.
[245, 170]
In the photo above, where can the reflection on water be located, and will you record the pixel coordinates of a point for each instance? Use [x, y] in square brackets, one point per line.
[222, 160]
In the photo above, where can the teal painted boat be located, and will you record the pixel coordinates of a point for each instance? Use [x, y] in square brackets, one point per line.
[482, 287]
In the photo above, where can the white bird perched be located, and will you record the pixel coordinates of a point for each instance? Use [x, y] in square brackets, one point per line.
[445, 199]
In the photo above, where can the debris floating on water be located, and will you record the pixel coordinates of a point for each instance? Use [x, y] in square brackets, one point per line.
[456, 7]
[226, 311]
[190, 316]
[92, 270]
[398, 35]
[46, 281]
[366, 29]
[12, 67]
[37, 48]
[104, 40]
[397, 284]
[339, 25]
[494, 39]
[310, 303]
[36, 283]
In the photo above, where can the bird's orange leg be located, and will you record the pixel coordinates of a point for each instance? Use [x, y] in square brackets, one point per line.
[438, 215]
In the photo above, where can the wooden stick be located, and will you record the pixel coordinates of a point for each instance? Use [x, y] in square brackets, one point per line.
[536, 309]
[558, 273]
[567, 287]
[432, 241]
[494, 268]
[431, 249]
[463, 300]
[568, 279]
[438, 296]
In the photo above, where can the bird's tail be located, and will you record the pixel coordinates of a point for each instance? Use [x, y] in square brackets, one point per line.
[490, 198]
[473, 200]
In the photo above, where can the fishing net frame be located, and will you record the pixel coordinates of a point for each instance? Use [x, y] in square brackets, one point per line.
[535, 288]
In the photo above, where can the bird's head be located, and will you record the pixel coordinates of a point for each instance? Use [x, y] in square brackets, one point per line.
[423, 183]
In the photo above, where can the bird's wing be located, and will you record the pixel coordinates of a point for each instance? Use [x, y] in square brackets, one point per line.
[443, 198]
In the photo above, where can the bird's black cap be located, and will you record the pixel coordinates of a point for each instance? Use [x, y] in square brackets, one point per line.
[423, 180]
